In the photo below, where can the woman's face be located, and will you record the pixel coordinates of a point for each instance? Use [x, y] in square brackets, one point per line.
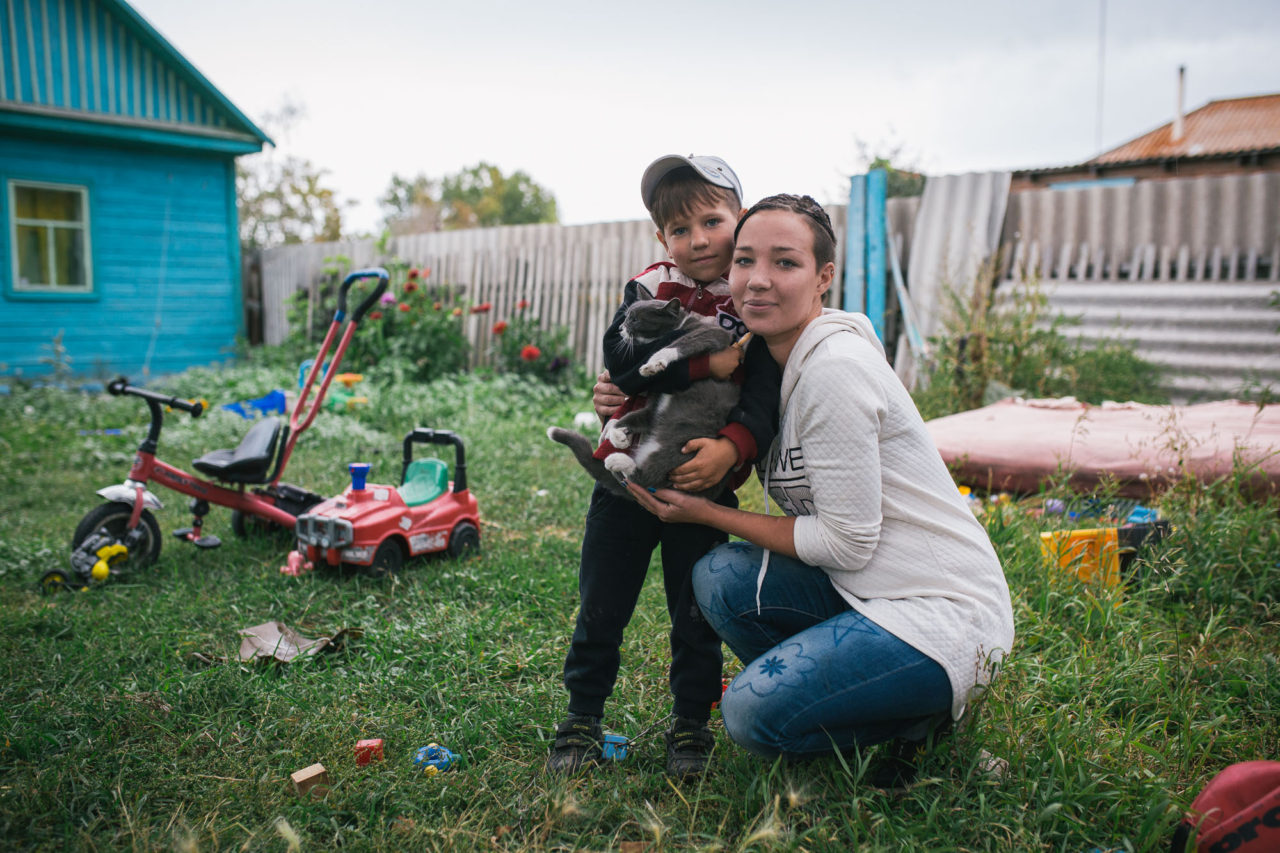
[776, 284]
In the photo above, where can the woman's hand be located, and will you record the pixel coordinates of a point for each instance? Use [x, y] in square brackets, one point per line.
[673, 505]
[605, 396]
[723, 363]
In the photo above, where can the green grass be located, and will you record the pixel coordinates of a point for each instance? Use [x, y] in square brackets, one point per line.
[1112, 712]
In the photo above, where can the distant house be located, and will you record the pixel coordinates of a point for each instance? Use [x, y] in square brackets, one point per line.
[118, 227]
[1229, 136]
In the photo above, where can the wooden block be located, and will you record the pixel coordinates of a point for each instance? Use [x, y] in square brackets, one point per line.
[312, 780]
[368, 750]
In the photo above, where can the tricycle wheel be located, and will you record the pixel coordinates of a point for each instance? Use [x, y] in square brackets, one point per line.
[55, 581]
[464, 539]
[387, 560]
[114, 517]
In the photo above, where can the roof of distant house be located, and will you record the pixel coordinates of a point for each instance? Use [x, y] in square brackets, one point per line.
[1219, 128]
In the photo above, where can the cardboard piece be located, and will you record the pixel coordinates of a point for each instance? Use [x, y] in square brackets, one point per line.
[313, 780]
[278, 641]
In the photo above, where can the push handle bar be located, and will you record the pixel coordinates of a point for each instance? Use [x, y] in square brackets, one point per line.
[372, 299]
[121, 387]
[438, 436]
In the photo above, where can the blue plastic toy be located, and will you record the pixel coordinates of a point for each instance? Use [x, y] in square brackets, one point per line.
[615, 746]
[434, 758]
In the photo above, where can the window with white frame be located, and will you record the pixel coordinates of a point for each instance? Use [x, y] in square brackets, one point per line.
[49, 237]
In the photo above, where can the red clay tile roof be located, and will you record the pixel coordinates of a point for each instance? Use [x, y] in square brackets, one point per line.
[1231, 126]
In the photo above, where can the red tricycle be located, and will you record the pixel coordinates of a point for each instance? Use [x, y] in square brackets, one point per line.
[123, 532]
[375, 528]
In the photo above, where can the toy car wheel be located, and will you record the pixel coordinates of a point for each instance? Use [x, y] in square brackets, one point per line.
[464, 539]
[387, 560]
[114, 517]
[55, 581]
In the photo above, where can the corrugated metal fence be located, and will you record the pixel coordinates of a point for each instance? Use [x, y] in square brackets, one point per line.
[1183, 269]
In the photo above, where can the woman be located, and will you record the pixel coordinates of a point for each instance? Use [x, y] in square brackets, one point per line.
[875, 608]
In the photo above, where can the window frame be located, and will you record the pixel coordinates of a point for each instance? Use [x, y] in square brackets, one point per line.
[13, 286]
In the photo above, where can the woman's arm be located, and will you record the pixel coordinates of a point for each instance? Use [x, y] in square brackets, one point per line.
[775, 532]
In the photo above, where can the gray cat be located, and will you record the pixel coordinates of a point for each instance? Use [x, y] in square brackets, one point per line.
[654, 434]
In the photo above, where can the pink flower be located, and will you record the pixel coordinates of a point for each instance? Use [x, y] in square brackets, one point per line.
[499, 327]
[387, 298]
[530, 353]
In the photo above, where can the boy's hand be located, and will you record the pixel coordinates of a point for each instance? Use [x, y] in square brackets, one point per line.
[714, 457]
[605, 396]
[723, 363]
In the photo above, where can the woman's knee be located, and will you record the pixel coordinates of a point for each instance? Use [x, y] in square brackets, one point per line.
[724, 580]
[746, 720]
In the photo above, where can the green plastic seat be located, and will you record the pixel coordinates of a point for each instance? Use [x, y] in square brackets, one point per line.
[424, 481]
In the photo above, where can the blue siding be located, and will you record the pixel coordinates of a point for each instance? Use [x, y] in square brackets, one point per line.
[164, 254]
[99, 57]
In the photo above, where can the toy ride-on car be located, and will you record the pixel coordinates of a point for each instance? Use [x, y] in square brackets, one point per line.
[376, 528]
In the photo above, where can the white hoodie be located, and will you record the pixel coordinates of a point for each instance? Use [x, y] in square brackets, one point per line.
[877, 509]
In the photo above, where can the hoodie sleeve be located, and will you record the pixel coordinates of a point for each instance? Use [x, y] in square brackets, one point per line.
[839, 408]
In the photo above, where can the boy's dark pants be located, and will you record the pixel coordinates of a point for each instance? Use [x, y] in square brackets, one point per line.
[616, 547]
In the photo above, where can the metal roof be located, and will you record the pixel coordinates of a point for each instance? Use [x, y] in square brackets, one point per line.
[1219, 128]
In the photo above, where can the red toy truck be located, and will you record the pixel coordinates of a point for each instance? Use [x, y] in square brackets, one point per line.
[376, 528]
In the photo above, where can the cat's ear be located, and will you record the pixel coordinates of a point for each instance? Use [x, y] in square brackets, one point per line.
[645, 293]
[673, 306]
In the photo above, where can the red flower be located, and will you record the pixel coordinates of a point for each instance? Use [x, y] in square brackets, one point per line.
[457, 312]
[522, 304]
[482, 308]
[499, 327]
[426, 273]
[530, 353]
[375, 315]
[413, 273]
[404, 306]
[436, 306]
[410, 286]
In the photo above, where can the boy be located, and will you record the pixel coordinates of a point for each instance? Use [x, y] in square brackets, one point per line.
[695, 202]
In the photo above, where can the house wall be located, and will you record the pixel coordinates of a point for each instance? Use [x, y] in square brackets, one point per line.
[165, 262]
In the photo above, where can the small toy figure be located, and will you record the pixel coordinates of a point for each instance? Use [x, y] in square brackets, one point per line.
[614, 747]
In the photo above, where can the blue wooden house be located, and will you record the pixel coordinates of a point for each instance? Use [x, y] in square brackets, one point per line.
[118, 226]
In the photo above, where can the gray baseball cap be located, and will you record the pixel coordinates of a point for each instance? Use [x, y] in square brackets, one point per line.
[712, 169]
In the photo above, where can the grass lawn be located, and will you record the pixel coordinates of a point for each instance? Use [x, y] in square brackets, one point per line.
[129, 724]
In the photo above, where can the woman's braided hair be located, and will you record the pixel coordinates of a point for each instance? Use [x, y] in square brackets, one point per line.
[824, 236]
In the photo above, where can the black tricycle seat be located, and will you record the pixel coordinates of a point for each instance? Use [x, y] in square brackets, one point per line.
[251, 461]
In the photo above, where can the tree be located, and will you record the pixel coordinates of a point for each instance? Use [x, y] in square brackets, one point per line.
[482, 196]
[281, 198]
[411, 205]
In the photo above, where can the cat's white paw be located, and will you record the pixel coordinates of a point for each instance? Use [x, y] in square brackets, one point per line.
[620, 463]
[616, 435]
[659, 361]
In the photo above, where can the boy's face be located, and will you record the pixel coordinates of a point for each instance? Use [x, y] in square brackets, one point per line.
[701, 243]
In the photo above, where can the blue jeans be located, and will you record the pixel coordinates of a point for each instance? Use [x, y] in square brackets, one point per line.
[818, 675]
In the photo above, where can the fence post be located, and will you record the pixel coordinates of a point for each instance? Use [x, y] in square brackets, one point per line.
[877, 184]
[855, 239]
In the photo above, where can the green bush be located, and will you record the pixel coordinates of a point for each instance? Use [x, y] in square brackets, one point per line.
[993, 348]
[523, 347]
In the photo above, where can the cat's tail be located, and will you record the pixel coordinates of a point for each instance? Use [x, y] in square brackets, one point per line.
[582, 451]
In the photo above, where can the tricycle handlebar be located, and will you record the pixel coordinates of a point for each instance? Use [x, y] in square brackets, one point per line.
[370, 300]
[120, 387]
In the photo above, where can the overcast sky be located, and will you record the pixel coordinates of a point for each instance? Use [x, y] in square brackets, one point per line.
[582, 95]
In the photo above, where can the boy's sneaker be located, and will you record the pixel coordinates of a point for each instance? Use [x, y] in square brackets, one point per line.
[578, 741]
[689, 744]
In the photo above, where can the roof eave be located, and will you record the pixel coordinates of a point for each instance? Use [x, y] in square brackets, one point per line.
[48, 120]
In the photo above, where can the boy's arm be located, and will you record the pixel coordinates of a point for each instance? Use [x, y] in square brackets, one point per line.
[623, 359]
